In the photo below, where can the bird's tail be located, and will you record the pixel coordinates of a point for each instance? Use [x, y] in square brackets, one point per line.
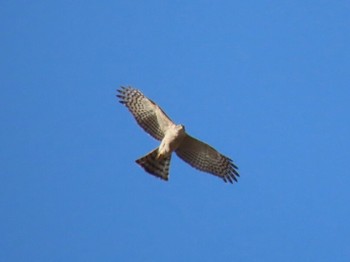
[155, 164]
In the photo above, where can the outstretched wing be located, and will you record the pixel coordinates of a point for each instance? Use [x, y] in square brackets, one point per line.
[147, 113]
[205, 158]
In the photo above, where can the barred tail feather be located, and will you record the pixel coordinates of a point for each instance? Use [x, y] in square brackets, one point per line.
[154, 165]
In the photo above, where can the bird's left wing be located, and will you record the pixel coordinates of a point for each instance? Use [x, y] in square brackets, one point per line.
[205, 158]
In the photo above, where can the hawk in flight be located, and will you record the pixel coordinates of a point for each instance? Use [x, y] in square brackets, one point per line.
[173, 139]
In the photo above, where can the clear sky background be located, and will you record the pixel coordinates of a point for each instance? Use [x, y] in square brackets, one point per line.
[265, 82]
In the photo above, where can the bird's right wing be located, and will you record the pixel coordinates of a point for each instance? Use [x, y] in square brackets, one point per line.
[147, 113]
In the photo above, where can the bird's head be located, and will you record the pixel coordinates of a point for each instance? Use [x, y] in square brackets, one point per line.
[180, 128]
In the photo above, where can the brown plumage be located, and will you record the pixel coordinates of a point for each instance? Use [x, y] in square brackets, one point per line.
[173, 139]
[155, 165]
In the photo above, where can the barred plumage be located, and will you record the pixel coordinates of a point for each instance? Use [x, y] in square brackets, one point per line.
[158, 167]
[205, 158]
[147, 113]
[173, 139]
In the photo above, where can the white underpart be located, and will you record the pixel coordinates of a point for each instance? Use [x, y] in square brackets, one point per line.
[171, 141]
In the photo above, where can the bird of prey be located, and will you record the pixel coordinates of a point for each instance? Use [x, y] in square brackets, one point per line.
[173, 139]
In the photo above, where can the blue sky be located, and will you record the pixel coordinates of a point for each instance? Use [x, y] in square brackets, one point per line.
[264, 82]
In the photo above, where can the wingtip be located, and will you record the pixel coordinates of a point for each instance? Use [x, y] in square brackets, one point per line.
[121, 89]
[234, 171]
[233, 164]
[229, 178]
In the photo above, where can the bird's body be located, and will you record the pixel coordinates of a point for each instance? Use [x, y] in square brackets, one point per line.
[173, 139]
